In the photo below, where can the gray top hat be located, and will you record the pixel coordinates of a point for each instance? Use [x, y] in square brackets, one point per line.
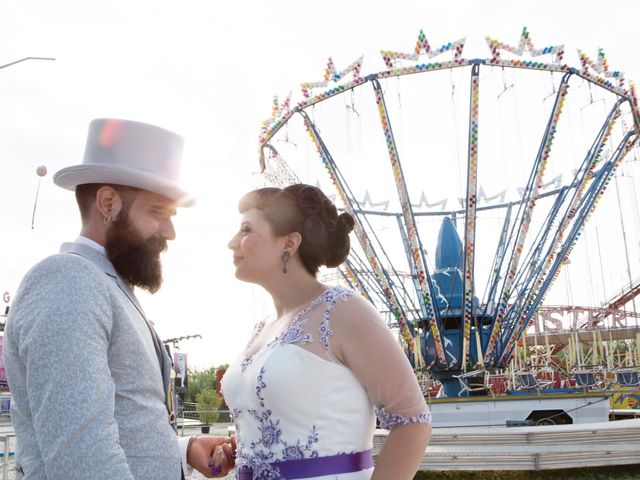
[132, 154]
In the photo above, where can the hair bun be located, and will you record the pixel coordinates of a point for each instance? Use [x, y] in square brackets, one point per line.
[345, 222]
[309, 201]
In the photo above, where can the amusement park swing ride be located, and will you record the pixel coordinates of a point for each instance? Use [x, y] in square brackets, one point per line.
[474, 316]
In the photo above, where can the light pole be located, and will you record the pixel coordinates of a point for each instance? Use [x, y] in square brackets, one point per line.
[25, 59]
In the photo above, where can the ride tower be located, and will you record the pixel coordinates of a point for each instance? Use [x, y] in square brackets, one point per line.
[494, 140]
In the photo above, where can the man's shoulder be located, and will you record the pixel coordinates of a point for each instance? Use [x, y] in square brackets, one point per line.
[65, 286]
[66, 262]
[71, 256]
[63, 272]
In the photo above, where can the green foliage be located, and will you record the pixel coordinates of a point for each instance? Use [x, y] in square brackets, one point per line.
[198, 381]
[207, 403]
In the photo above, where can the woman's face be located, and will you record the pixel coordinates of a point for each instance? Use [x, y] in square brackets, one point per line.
[256, 252]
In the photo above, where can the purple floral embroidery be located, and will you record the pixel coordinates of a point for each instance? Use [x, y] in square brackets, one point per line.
[270, 447]
[246, 359]
[260, 471]
[331, 297]
[267, 472]
[294, 333]
[259, 386]
[311, 439]
[270, 433]
[391, 420]
[293, 452]
[245, 363]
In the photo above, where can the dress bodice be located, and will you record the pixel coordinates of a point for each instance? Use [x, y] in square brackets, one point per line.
[291, 403]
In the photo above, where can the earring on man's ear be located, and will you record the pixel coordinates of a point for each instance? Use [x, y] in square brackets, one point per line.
[285, 259]
[107, 219]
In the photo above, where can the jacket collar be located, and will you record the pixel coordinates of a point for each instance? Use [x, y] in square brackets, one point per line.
[103, 263]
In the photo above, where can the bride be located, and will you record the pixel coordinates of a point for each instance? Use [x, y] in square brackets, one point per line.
[306, 390]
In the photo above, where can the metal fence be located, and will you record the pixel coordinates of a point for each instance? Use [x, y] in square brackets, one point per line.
[188, 416]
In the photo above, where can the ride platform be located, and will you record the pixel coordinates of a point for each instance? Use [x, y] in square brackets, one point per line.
[530, 448]
[545, 407]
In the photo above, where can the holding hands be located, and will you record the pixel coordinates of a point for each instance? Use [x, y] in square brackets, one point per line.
[212, 456]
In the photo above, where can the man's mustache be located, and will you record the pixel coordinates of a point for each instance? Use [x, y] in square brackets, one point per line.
[157, 245]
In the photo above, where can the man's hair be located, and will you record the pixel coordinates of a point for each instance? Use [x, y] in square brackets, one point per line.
[86, 197]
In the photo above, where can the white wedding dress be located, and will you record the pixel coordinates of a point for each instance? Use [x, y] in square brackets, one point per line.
[294, 399]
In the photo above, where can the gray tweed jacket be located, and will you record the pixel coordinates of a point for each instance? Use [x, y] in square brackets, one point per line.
[83, 368]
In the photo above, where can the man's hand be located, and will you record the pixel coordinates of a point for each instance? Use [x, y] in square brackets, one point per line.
[201, 452]
[223, 458]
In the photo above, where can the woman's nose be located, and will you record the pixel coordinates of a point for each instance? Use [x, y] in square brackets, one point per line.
[233, 242]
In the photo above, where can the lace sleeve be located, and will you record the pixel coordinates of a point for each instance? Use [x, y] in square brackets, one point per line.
[362, 342]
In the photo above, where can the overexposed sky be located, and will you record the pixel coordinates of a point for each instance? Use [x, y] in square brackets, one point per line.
[208, 70]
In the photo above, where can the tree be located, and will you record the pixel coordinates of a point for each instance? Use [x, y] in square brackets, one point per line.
[207, 403]
[201, 379]
[198, 381]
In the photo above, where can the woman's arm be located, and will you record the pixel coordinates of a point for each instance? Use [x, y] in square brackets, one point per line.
[402, 452]
[364, 343]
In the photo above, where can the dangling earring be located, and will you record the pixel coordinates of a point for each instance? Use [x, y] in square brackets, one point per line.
[285, 259]
[107, 219]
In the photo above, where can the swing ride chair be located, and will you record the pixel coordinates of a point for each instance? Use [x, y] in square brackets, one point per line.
[475, 382]
[628, 377]
[589, 377]
[527, 380]
[451, 325]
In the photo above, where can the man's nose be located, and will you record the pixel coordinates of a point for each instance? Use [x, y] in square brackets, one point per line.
[168, 231]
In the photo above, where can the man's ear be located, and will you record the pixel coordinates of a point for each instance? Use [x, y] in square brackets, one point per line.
[292, 242]
[108, 202]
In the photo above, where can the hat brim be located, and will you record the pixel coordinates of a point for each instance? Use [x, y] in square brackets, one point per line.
[70, 177]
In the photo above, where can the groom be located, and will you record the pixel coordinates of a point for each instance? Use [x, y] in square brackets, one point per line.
[89, 376]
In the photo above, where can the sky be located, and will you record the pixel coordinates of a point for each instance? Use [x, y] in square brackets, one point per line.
[208, 70]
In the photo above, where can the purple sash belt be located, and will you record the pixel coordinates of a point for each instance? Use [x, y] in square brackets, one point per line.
[316, 467]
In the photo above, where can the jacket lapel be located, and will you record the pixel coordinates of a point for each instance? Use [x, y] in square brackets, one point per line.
[103, 263]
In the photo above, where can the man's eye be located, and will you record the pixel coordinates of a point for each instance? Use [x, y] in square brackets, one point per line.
[159, 214]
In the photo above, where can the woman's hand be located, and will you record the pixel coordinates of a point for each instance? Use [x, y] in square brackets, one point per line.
[212, 456]
[223, 458]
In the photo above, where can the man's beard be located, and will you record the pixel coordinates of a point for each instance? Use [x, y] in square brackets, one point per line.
[136, 260]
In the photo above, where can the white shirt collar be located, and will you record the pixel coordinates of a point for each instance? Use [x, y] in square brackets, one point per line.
[90, 243]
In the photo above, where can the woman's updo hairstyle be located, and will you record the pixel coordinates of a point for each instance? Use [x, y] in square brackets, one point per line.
[305, 209]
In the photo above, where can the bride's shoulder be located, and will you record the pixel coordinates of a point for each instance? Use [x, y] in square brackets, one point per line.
[353, 309]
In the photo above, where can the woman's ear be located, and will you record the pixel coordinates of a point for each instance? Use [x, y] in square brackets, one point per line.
[292, 242]
[108, 202]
